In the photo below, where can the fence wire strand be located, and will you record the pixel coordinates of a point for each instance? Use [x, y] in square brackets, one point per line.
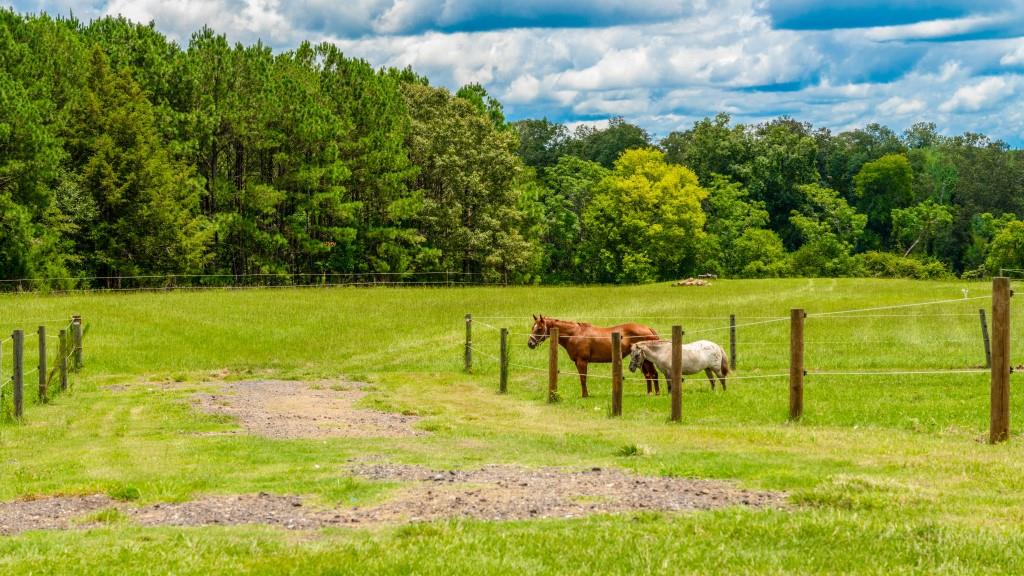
[685, 332]
[898, 306]
[899, 372]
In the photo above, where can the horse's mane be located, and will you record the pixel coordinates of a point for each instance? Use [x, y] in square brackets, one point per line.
[576, 322]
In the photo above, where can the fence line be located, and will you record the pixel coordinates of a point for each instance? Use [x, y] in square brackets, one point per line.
[282, 275]
[845, 316]
[60, 367]
[898, 306]
[854, 342]
[702, 331]
[688, 332]
[763, 376]
[627, 317]
[534, 368]
[901, 372]
[260, 287]
[1000, 365]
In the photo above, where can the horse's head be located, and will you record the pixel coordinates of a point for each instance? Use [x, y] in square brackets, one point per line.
[636, 357]
[539, 332]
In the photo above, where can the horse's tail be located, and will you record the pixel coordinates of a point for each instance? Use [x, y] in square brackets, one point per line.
[725, 364]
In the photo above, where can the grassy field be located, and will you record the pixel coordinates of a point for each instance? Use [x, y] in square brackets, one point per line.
[885, 473]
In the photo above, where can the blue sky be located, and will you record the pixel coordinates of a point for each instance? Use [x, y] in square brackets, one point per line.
[662, 64]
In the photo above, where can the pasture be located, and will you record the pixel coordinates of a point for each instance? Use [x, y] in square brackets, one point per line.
[884, 473]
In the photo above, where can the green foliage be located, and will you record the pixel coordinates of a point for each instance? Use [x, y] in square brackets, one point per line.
[569, 186]
[733, 222]
[711, 147]
[541, 142]
[1007, 250]
[842, 157]
[882, 186]
[473, 211]
[921, 224]
[606, 145]
[983, 229]
[889, 265]
[647, 220]
[829, 229]
[123, 152]
[484, 103]
[146, 199]
[761, 254]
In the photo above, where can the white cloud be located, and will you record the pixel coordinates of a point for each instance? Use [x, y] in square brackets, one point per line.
[1015, 57]
[974, 97]
[523, 89]
[598, 124]
[242, 20]
[931, 29]
[899, 106]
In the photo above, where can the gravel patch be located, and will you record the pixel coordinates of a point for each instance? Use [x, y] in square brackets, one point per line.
[289, 409]
[502, 492]
[54, 512]
[497, 492]
[283, 511]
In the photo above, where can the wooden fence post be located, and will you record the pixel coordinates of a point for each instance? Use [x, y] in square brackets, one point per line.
[76, 339]
[19, 372]
[732, 341]
[677, 373]
[616, 374]
[63, 360]
[42, 364]
[999, 424]
[553, 365]
[469, 343]
[796, 363]
[503, 376]
[984, 337]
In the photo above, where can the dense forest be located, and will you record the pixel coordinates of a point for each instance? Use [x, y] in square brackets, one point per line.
[125, 154]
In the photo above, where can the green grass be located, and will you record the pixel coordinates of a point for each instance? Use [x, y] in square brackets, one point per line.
[886, 473]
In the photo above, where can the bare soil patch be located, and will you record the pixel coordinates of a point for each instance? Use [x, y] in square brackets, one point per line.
[504, 492]
[290, 409]
[54, 512]
[497, 492]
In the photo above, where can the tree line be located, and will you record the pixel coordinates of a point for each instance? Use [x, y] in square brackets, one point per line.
[124, 154]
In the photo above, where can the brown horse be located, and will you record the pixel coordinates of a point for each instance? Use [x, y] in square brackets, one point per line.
[587, 343]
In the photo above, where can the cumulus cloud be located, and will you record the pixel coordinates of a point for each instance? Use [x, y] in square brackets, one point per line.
[974, 97]
[899, 106]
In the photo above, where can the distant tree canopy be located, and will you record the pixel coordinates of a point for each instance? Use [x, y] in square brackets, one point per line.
[123, 153]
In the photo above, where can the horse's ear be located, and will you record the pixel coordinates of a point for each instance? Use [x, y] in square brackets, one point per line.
[534, 317]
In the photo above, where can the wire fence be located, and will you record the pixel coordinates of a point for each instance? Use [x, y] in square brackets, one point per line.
[66, 360]
[954, 334]
[171, 282]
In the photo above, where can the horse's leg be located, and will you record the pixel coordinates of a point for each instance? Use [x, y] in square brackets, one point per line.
[721, 378]
[711, 377]
[581, 367]
[650, 374]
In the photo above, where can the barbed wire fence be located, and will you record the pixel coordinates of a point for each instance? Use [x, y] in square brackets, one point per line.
[994, 353]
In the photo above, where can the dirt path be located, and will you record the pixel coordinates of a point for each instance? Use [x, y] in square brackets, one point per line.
[289, 409]
[490, 493]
